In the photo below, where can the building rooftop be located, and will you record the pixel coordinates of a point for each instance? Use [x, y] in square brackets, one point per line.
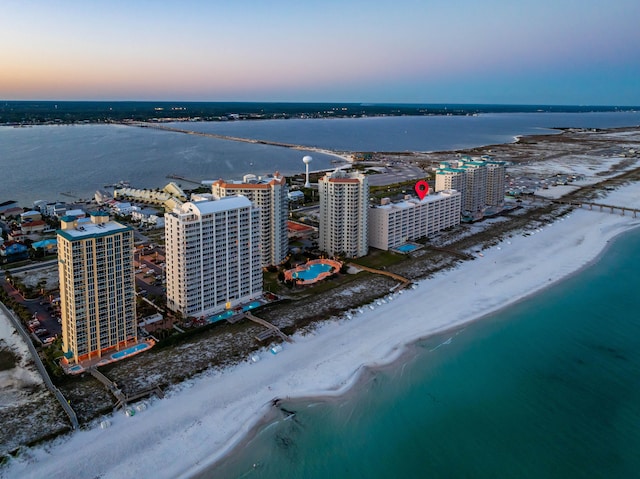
[208, 207]
[85, 228]
[413, 202]
[252, 181]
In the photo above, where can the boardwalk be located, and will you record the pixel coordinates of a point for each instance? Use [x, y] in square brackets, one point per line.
[275, 330]
[404, 282]
[123, 399]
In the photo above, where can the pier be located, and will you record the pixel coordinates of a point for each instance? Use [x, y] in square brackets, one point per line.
[183, 178]
[600, 207]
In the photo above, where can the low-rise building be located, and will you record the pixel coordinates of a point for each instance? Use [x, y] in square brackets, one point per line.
[49, 246]
[147, 216]
[297, 230]
[7, 205]
[32, 227]
[13, 251]
[30, 216]
[13, 212]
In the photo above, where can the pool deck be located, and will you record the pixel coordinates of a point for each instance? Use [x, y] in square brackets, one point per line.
[108, 358]
[288, 274]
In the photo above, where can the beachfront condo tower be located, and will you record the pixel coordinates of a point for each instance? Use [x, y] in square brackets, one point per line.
[344, 206]
[97, 286]
[269, 193]
[495, 183]
[393, 223]
[213, 260]
[479, 179]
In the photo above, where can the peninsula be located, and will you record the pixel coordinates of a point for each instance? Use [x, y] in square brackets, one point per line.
[216, 395]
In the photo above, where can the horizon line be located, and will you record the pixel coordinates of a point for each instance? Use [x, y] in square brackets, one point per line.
[350, 102]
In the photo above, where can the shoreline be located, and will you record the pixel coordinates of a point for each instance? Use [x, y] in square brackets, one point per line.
[402, 354]
[203, 420]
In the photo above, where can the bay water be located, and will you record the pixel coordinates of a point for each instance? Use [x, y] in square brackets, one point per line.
[63, 162]
[548, 388]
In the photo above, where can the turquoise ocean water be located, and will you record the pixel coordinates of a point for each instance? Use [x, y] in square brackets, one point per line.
[548, 388]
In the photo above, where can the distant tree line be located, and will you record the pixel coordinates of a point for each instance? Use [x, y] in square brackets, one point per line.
[42, 112]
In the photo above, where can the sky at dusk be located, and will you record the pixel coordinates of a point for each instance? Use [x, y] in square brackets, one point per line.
[579, 52]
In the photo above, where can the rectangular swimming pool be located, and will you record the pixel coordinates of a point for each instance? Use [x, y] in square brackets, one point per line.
[407, 247]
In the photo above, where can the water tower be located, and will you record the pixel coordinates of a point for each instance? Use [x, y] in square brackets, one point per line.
[306, 160]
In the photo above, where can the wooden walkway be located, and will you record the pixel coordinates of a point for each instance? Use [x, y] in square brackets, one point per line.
[123, 399]
[273, 330]
[404, 282]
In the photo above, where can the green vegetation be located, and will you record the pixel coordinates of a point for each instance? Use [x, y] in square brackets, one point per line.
[395, 189]
[51, 359]
[379, 259]
[8, 360]
[32, 112]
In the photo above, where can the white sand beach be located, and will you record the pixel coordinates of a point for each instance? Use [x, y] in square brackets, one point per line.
[202, 419]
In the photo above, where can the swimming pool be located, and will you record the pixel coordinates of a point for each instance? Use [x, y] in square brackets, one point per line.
[407, 247]
[230, 312]
[129, 351]
[252, 305]
[221, 316]
[312, 271]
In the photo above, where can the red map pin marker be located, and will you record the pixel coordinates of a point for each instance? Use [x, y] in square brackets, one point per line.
[422, 189]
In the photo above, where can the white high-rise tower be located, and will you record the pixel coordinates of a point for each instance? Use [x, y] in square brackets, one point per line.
[212, 255]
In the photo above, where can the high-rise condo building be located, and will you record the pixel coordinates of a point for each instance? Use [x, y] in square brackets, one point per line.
[449, 177]
[213, 257]
[495, 182]
[391, 224]
[475, 187]
[269, 193]
[97, 286]
[480, 180]
[343, 214]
